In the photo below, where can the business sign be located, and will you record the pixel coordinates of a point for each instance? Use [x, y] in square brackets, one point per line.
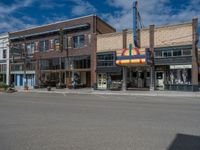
[133, 56]
[180, 66]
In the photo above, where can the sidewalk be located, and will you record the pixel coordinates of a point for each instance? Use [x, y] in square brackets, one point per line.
[89, 91]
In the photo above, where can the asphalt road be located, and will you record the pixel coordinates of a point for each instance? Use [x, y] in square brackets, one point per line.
[30, 121]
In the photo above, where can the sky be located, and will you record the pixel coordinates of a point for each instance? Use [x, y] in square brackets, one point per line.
[20, 14]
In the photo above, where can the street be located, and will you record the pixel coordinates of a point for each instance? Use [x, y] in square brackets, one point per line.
[36, 121]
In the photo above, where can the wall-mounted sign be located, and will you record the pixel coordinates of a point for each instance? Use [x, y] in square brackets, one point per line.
[133, 56]
[180, 66]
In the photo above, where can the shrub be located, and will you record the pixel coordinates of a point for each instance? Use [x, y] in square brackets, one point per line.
[3, 85]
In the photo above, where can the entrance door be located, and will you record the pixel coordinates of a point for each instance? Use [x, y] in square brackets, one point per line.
[160, 80]
[102, 81]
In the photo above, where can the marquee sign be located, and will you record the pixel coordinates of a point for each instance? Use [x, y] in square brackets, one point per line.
[133, 56]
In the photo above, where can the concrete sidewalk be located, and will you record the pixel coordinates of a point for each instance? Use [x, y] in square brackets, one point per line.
[88, 91]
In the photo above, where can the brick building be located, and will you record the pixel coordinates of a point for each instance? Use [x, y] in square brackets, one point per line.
[57, 53]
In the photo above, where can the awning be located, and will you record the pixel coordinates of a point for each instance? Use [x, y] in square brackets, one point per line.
[133, 56]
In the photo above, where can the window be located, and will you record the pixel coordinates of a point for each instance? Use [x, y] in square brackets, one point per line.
[167, 54]
[177, 53]
[2, 67]
[105, 60]
[43, 46]
[187, 52]
[158, 54]
[30, 48]
[78, 41]
[4, 53]
[57, 44]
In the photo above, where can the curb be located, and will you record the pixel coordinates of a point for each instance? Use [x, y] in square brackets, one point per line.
[153, 94]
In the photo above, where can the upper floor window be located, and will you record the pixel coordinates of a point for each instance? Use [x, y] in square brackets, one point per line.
[4, 53]
[57, 44]
[43, 46]
[30, 48]
[78, 41]
[173, 53]
[177, 53]
[105, 60]
[167, 53]
[187, 52]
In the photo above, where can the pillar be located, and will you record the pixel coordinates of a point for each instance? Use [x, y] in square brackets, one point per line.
[124, 67]
[195, 53]
[152, 67]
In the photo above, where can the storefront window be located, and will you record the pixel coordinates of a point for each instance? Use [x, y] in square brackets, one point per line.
[179, 76]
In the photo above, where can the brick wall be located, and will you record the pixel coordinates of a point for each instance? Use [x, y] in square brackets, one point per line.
[168, 35]
[109, 42]
[171, 35]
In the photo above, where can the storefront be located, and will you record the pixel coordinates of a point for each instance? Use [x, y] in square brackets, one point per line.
[138, 77]
[18, 79]
[66, 71]
[173, 68]
[3, 73]
[109, 76]
[137, 62]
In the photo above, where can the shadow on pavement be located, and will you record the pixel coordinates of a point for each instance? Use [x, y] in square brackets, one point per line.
[185, 142]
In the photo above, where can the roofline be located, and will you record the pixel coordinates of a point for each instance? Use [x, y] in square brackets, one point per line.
[105, 23]
[2, 35]
[52, 23]
[168, 25]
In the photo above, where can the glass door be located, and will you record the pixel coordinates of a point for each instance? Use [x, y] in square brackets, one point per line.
[160, 80]
[102, 81]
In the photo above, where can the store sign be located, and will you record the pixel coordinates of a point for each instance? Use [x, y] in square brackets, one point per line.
[180, 66]
[133, 56]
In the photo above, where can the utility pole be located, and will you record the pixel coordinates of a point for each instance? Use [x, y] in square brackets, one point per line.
[60, 59]
[25, 64]
[124, 83]
[195, 54]
[151, 43]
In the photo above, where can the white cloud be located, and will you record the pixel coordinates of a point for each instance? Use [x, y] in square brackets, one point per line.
[10, 23]
[50, 4]
[157, 12]
[82, 7]
[4, 9]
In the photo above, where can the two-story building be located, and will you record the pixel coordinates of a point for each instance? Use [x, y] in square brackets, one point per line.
[4, 59]
[58, 52]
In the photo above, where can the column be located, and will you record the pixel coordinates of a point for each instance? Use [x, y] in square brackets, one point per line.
[124, 40]
[195, 53]
[152, 67]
